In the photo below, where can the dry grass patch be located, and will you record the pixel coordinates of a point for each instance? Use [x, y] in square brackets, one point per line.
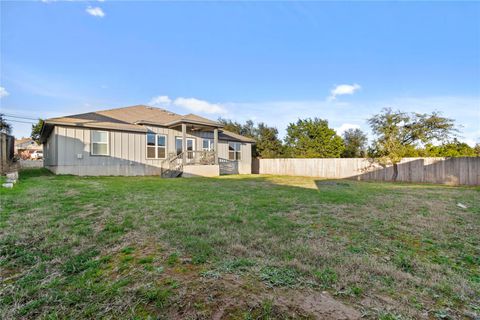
[237, 247]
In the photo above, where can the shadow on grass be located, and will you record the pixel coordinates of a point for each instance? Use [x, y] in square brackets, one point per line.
[26, 174]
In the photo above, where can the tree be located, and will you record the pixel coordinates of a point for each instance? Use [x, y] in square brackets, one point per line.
[477, 149]
[312, 138]
[5, 127]
[355, 141]
[36, 130]
[247, 129]
[454, 148]
[397, 132]
[268, 145]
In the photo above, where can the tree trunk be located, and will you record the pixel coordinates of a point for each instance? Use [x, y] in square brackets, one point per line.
[395, 172]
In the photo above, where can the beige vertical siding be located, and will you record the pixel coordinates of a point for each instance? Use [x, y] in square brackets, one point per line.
[70, 152]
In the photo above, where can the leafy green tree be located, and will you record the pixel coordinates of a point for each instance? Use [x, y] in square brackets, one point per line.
[36, 130]
[247, 129]
[5, 127]
[454, 148]
[268, 144]
[414, 152]
[397, 132]
[355, 141]
[312, 138]
[477, 149]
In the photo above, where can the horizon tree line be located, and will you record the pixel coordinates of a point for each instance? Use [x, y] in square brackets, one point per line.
[396, 133]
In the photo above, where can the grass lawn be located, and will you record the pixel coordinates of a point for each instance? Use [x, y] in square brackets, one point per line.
[237, 247]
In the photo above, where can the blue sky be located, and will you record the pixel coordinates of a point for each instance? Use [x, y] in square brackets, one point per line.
[267, 61]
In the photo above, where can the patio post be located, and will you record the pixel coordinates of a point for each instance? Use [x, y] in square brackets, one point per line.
[215, 144]
[184, 143]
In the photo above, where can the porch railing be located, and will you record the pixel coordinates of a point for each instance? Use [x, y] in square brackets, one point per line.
[172, 166]
[192, 157]
[200, 157]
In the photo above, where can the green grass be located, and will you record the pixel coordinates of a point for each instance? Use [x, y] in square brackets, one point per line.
[139, 247]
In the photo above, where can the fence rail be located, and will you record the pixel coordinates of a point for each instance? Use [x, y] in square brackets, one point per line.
[454, 171]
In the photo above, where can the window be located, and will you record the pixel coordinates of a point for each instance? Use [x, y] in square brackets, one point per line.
[178, 145]
[99, 143]
[151, 145]
[207, 145]
[156, 146]
[161, 146]
[234, 151]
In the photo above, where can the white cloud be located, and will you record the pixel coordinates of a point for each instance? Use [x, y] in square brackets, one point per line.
[3, 92]
[192, 104]
[343, 89]
[95, 11]
[160, 101]
[200, 106]
[345, 126]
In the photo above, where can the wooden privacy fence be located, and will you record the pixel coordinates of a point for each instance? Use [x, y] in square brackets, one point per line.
[6, 152]
[454, 171]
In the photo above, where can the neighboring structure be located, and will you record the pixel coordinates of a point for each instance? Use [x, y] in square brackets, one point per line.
[143, 140]
[24, 147]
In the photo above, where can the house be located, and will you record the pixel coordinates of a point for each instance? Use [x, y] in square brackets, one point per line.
[143, 140]
[24, 147]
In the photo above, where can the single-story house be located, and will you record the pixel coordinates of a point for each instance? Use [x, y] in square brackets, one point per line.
[143, 140]
[24, 147]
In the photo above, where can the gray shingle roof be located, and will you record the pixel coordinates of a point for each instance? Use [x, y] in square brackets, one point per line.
[134, 118]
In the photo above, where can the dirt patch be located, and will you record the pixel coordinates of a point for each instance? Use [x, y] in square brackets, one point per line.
[235, 299]
[209, 295]
[233, 296]
[320, 305]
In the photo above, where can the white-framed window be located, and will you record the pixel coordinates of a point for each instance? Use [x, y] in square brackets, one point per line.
[99, 143]
[208, 145]
[156, 146]
[234, 151]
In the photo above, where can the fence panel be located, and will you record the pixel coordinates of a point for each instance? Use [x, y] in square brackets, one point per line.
[454, 171]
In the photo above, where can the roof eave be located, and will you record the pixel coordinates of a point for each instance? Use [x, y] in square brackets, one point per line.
[47, 129]
[187, 121]
[96, 126]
